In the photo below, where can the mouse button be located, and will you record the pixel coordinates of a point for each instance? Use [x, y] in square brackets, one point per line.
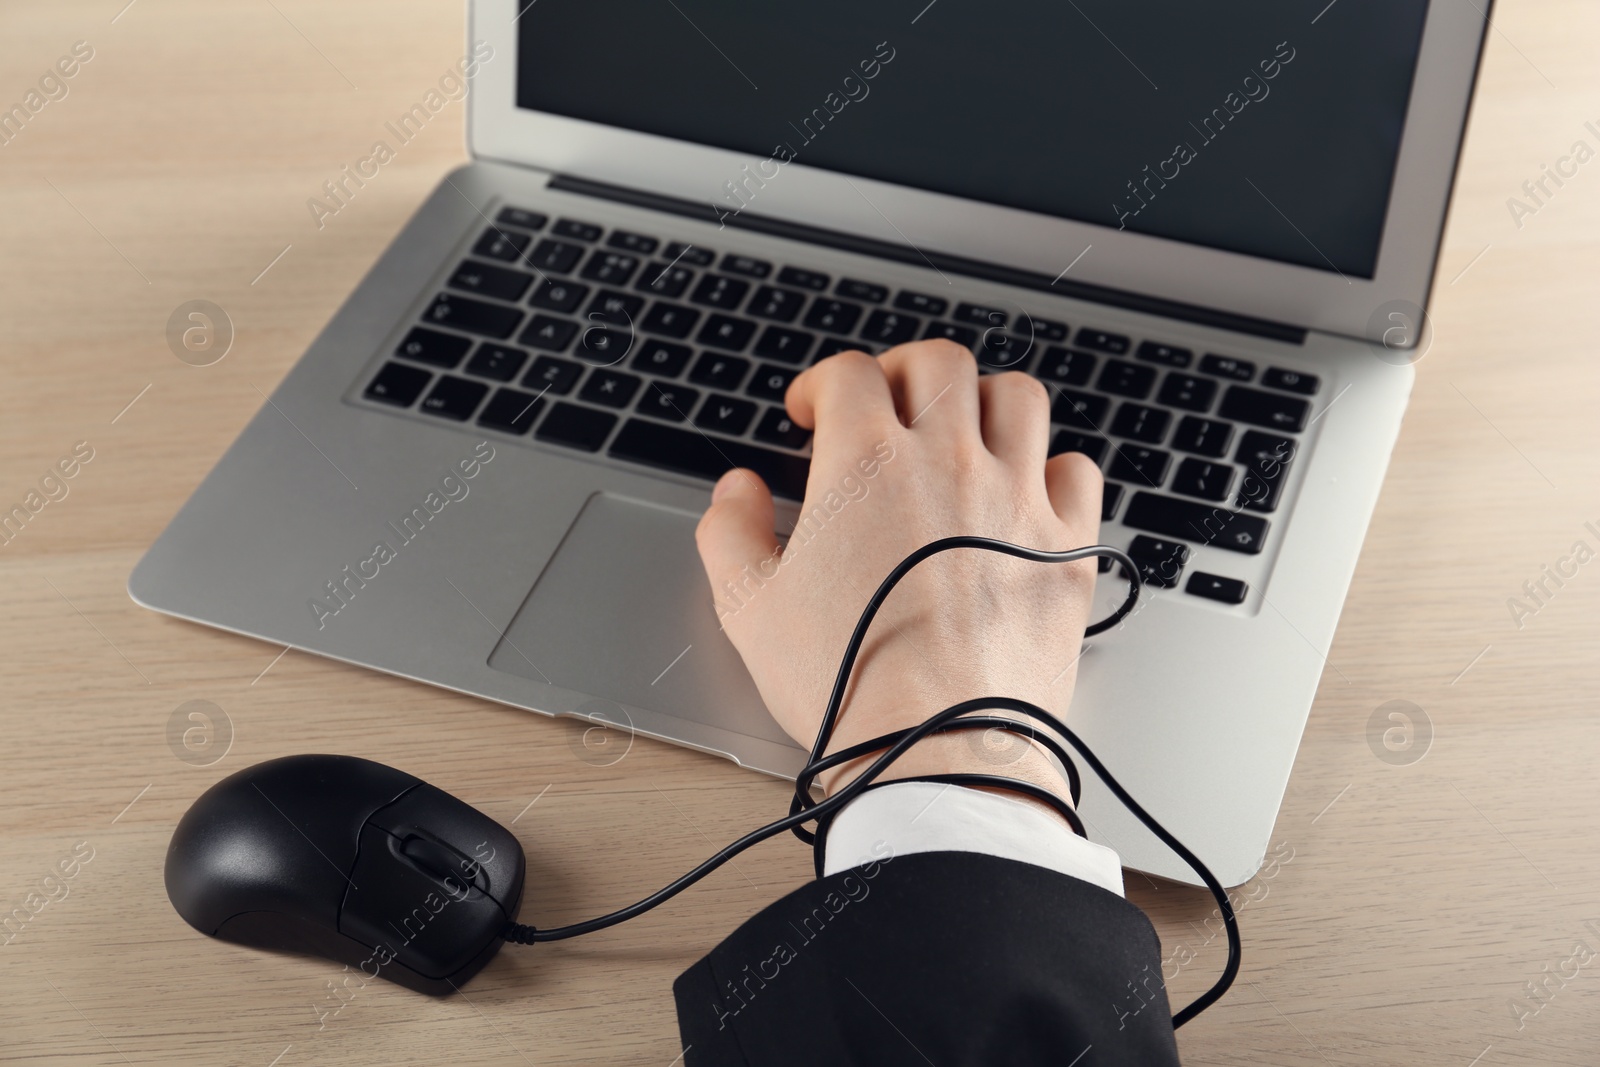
[321, 800]
[431, 813]
[410, 916]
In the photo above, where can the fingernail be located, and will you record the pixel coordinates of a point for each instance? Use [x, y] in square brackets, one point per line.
[724, 484]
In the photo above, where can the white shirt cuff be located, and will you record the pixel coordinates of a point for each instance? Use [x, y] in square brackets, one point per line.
[912, 817]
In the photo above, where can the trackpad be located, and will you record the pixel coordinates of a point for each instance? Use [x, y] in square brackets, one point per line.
[624, 612]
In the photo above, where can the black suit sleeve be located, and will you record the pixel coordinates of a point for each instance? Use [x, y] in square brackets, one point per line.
[950, 958]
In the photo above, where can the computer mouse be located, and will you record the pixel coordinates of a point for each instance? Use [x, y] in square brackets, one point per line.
[351, 860]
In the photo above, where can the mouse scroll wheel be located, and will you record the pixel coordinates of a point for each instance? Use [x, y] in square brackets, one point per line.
[441, 861]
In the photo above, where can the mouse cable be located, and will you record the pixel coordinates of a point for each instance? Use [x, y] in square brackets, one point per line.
[956, 717]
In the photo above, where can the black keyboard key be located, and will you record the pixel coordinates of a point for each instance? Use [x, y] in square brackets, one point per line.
[549, 333]
[504, 245]
[1187, 391]
[1171, 355]
[604, 346]
[398, 384]
[1086, 411]
[632, 242]
[725, 414]
[719, 371]
[780, 305]
[1126, 379]
[1290, 380]
[614, 308]
[694, 255]
[1003, 351]
[661, 279]
[669, 320]
[816, 281]
[1160, 562]
[557, 295]
[473, 316]
[611, 268]
[1073, 441]
[1216, 587]
[1039, 329]
[866, 292]
[1194, 521]
[1141, 423]
[556, 375]
[557, 257]
[580, 231]
[724, 331]
[1204, 437]
[1101, 341]
[886, 327]
[979, 315]
[1066, 367]
[511, 411]
[777, 428]
[771, 382]
[453, 398]
[1272, 410]
[1266, 459]
[663, 358]
[609, 387]
[921, 303]
[965, 336]
[664, 400]
[500, 362]
[834, 345]
[576, 427]
[1204, 479]
[1241, 370]
[691, 452]
[431, 346]
[516, 216]
[1110, 497]
[1139, 465]
[486, 280]
[749, 266]
[791, 346]
[720, 291]
[835, 316]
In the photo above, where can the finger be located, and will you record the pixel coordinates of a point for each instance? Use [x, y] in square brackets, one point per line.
[846, 389]
[735, 533]
[1016, 418]
[1074, 484]
[935, 385]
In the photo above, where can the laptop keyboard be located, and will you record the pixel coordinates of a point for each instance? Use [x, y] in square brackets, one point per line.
[677, 357]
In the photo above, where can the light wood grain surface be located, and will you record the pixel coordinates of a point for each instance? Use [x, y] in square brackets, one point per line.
[1411, 905]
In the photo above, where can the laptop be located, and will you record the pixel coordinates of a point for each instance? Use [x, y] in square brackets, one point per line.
[1209, 231]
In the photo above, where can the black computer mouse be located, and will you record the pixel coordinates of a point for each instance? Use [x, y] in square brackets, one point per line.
[345, 858]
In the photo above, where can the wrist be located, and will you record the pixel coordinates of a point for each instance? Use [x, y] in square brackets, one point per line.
[961, 752]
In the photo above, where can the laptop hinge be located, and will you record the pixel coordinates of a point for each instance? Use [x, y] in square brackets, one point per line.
[972, 268]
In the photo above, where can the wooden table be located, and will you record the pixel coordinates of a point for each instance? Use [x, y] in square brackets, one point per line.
[1411, 903]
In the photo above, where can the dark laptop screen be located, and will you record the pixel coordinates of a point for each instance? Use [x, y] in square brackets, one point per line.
[1268, 127]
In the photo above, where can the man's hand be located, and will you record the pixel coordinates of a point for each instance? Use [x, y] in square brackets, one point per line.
[910, 447]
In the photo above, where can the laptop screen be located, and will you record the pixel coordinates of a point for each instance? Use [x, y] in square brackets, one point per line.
[1265, 127]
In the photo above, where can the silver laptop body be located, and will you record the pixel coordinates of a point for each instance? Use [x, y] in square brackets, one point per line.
[447, 488]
